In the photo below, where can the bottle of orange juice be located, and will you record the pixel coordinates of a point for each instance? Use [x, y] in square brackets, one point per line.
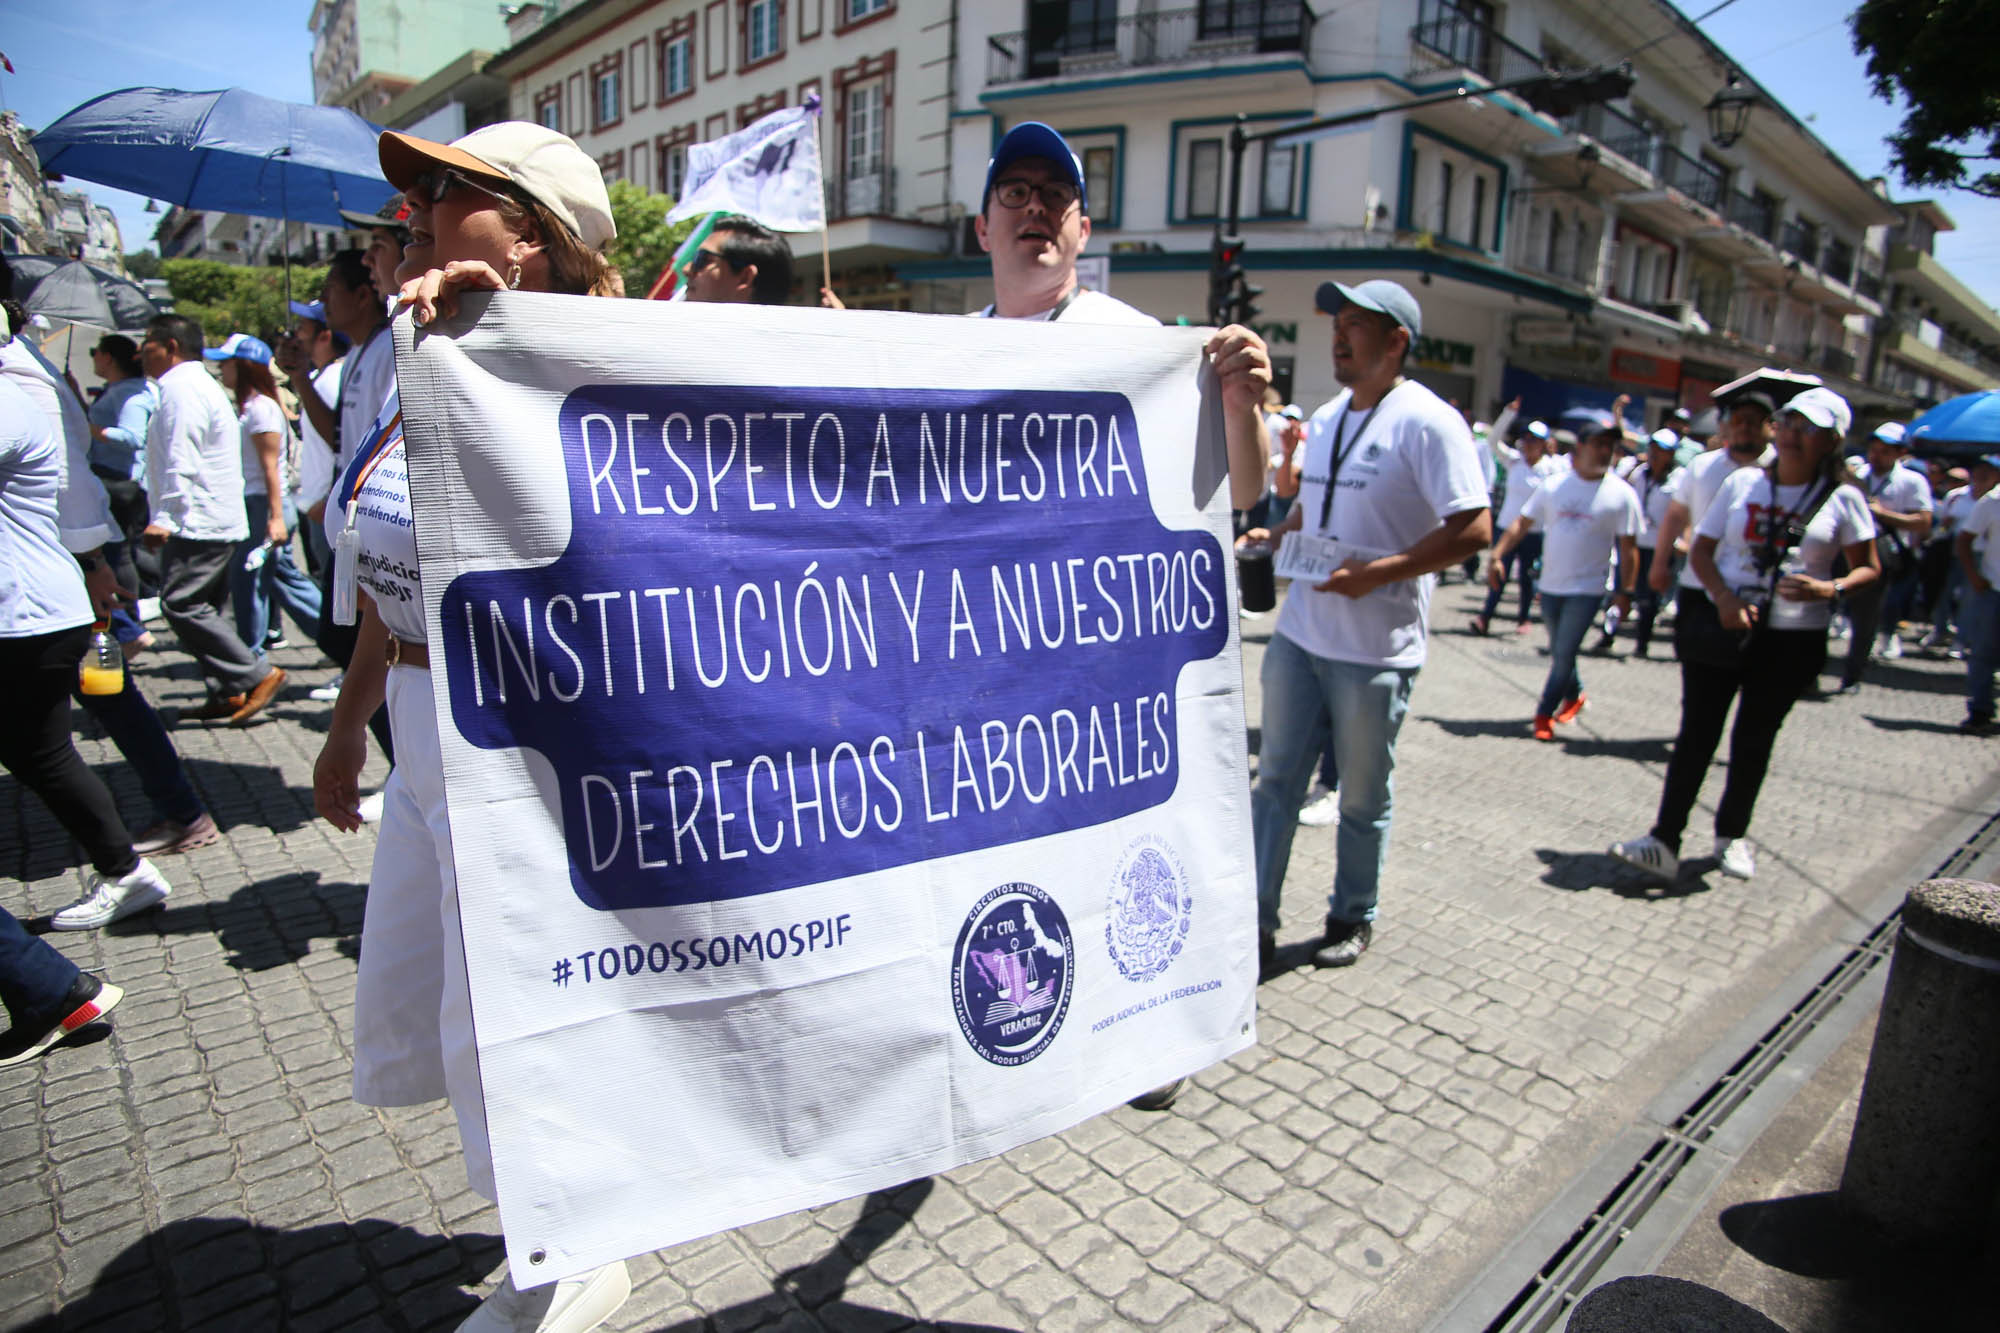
[103, 667]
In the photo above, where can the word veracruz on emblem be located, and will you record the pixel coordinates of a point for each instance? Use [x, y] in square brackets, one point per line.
[1012, 973]
[1146, 922]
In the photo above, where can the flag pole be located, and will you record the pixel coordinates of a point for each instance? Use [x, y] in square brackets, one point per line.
[825, 244]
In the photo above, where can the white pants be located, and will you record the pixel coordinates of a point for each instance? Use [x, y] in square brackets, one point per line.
[413, 1039]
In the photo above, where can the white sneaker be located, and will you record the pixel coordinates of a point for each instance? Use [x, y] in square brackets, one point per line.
[328, 692]
[1650, 855]
[1842, 628]
[1322, 808]
[1889, 646]
[573, 1305]
[371, 808]
[113, 900]
[1734, 854]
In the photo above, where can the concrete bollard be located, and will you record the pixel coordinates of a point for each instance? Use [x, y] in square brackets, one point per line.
[1664, 1305]
[1923, 1166]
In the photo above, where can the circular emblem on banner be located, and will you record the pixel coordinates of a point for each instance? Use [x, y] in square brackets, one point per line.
[1147, 919]
[1011, 974]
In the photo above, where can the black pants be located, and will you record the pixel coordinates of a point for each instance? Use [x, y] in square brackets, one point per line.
[337, 642]
[131, 511]
[38, 672]
[1775, 671]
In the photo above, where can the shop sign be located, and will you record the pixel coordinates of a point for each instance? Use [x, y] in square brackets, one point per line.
[1277, 333]
[1650, 372]
[1442, 354]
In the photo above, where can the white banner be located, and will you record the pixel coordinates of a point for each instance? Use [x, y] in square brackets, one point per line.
[846, 774]
[768, 171]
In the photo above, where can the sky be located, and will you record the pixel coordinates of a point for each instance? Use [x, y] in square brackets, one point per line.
[66, 54]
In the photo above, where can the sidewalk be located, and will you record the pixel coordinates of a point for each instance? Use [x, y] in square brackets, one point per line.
[1397, 1125]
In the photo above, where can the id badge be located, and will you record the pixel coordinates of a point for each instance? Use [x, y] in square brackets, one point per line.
[346, 548]
[1302, 556]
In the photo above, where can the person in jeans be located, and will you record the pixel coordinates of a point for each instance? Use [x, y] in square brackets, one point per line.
[268, 480]
[1653, 477]
[47, 604]
[194, 474]
[46, 995]
[1900, 499]
[118, 422]
[1585, 514]
[1764, 552]
[1529, 465]
[1978, 551]
[1391, 475]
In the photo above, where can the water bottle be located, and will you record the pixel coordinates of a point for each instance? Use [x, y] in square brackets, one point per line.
[103, 668]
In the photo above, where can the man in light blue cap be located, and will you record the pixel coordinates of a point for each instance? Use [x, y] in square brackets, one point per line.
[1392, 490]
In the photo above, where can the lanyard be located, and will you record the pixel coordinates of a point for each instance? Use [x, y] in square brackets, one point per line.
[1339, 455]
[1777, 531]
[372, 453]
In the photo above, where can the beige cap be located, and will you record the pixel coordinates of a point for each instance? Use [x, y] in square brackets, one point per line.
[547, 166]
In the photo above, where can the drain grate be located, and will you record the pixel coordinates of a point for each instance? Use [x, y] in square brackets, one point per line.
[1546, 1297]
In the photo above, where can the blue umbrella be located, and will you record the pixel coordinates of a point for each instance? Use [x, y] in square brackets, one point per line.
[226, 152]
[1972, 418]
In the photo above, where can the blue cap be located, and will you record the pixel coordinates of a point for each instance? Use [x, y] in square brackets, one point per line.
[313, 310]
[1988, 460]
[242, 347]
[1378, 294]
[1539, 429]
[1598, 419]
[1031, 138]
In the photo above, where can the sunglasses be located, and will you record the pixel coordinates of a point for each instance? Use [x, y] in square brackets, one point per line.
[701, 259]
[1056, 196]
[434, 187]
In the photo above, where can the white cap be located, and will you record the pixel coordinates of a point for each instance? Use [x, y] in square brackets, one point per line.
[1892, 432]
[545, 165]
[1664, 439]
[1824, 408]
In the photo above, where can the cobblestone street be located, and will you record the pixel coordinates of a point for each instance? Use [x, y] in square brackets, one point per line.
[200, 1164]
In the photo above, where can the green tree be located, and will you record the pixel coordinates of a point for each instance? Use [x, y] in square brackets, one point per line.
[143, 264]
[646, 240]
[1941, 58]
[230, 298]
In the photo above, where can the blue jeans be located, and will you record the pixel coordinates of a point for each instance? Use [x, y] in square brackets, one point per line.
[34, 978]
[1568, 620]
[279, 579]
[1306, 700]
[1979, 632]
[135, 729]
[1521, 564]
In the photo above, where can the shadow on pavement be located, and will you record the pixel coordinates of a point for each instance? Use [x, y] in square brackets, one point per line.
[1882, 675]
[226, 1273]
[1912, 724]
[1581, 871]
[271, 923]
[821, 1286]
[1515, 728]
[1638, 749]
[1872, 1287]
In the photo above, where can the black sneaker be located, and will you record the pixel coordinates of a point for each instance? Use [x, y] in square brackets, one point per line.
[1160, 1098]
[88, 1001]
[1979, 726]
[1345, 942]
[1267, 955]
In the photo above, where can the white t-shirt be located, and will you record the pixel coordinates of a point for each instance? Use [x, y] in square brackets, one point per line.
[1903, 490]
[365, 386]
[83, 509]
[1523, 480]
[1984, 525]
[41, 588]
[1583, 520]
[1406, 466]
[262, 416]
[1700, 481]
[1654, 497]
[316, 460]
[1087, 307]
[1739, 521]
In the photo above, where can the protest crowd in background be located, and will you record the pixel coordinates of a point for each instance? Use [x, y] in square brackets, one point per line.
[182, 511]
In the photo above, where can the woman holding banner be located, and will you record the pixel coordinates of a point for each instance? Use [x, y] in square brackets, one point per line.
[509, 206]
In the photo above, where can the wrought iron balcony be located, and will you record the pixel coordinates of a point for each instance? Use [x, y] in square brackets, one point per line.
[1698, 180]
[1211, 31]
[1616, 131]
[1868, 284]
[1447, 38]
[1837, 260]
[1801, 239]
[1756, 215]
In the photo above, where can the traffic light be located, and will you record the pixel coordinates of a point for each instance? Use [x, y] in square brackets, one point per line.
[1243, 307]
[1225, 274]
[1563, 95]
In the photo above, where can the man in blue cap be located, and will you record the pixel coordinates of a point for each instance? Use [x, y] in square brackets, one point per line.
[1900, 499]
[1392, 489]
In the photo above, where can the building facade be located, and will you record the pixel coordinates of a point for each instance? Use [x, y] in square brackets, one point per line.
[38, 217]
[1936, 339]
[366, 52]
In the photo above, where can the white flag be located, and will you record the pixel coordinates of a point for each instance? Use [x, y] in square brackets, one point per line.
[768, 172]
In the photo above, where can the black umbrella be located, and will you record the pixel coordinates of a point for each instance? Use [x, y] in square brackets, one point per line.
[69, 289]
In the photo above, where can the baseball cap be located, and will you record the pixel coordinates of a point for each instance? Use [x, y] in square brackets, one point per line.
[241, 347]
[1824, 408]
[1031, 138]
[1664, 439]
[394, 215]
[1378, 294]
[1892, 432]
[313, 310]
[1293, 411]
[1539, 429]
[548, 167]
[1988, 460]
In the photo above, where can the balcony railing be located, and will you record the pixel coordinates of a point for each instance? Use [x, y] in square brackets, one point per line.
[1868, 284]
[1694, 178]
[1448, 38]
[1801, 239]
[1755, 215]
[863, 194]
[1835, 360]
[1208, 32]
[1837, 261]
[1616, 131]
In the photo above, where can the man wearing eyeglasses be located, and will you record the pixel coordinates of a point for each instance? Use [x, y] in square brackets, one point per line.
[741, 262]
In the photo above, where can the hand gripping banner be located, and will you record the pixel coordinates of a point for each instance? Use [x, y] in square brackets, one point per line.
[843, 736]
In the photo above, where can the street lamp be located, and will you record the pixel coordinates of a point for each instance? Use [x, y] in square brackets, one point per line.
[1729, 113]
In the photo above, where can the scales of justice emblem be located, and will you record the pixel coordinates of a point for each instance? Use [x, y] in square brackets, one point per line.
[1012, 974]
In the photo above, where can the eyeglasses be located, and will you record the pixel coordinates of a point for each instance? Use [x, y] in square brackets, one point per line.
[1056, 196]
[434, 187]
[701, 259]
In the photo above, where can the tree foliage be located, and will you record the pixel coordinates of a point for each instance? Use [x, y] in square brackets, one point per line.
[230, 298]
[1941, 57]
[143, 264]
[646, 240]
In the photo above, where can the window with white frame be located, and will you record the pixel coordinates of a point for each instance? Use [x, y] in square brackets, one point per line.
[1100, 181]
[1204, 179]
[1278, 177]
[1454, 195]
[608, 92]
[548, 111]
[864, 118]
[1645, 268]
[670, 167]
[763, 27]
[677, 65]
[852, 10]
